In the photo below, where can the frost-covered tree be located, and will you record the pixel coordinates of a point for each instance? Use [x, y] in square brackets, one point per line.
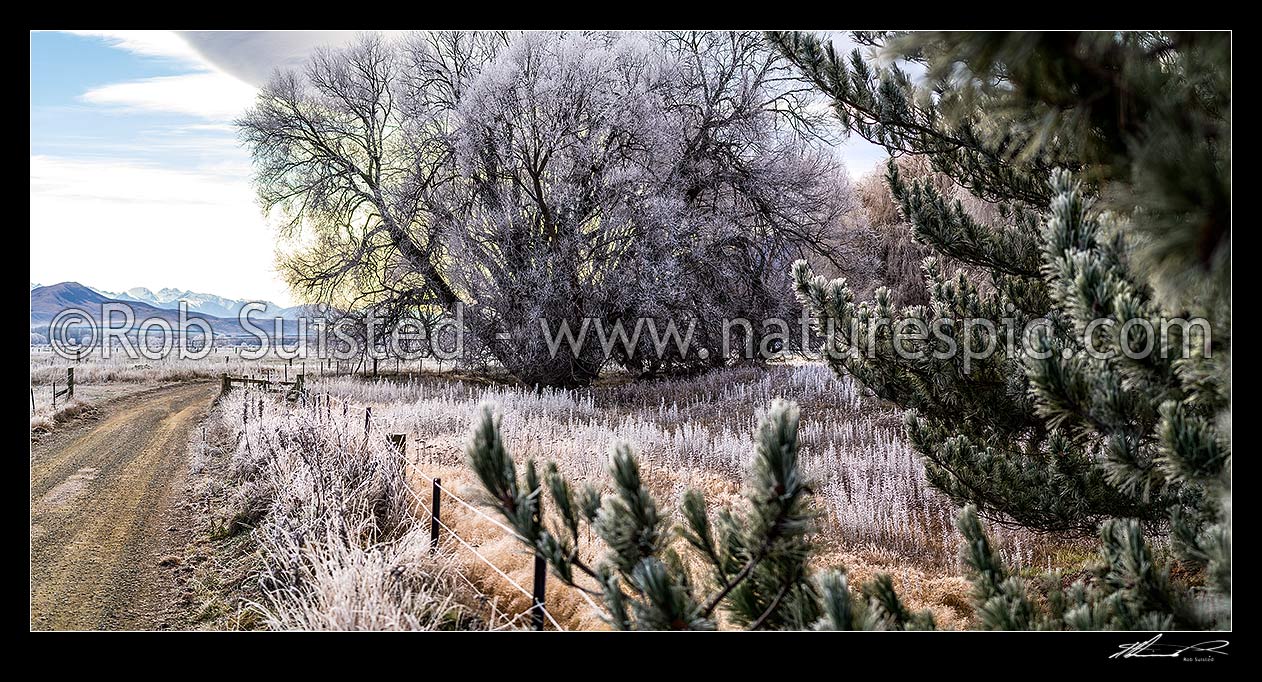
[1106, 159]
[556, 145]
[550, 176]
[758, 184]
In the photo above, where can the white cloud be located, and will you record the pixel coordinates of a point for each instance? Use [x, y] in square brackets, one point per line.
[211, 95]
[101, 213]
[206, 92]
[163, 44]
[115, 223]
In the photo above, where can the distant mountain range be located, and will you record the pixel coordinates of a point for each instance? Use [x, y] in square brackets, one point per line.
[220, 312]
[205, 304]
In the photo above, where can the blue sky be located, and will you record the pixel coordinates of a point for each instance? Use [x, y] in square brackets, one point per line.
[137, 178]
[74, 114]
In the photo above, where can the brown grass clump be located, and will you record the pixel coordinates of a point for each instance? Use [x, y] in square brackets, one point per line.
[46, 418]
[947, 596]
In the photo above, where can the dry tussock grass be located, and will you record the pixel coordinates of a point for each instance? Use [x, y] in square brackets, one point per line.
[339, 547]
[697, 433]
[45, 418]
[944, 593]
[877, 511]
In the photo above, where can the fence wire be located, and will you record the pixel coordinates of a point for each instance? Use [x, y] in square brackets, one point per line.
[381, 425]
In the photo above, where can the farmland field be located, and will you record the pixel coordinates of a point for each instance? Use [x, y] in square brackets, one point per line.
[635, 330]
[876, 512]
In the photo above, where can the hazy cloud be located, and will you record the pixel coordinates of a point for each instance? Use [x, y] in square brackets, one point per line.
[253, 56]
[117, 221]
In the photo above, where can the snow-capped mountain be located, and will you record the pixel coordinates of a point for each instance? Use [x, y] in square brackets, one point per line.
[206, 304]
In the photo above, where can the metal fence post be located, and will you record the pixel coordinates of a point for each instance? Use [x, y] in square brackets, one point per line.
[541, 575]
[434, 510]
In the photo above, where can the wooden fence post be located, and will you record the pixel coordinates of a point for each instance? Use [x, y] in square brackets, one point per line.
[399, 441]
[367, 420]
[226, 384]
[54, 394]
[70, 383]
[541, 576]
[434, 510]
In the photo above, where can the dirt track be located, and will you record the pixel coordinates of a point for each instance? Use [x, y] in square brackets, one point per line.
[106, 510]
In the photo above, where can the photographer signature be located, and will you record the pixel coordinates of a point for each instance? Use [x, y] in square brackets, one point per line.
[1151, 649]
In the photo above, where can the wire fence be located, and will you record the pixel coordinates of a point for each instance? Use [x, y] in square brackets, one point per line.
[49, 396]
[538, 609]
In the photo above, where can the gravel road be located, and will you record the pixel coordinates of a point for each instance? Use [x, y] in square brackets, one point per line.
[108, 523]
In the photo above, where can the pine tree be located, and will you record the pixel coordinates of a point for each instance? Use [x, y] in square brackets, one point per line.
[1108, 157]
[754, 555]
[1128, 590]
